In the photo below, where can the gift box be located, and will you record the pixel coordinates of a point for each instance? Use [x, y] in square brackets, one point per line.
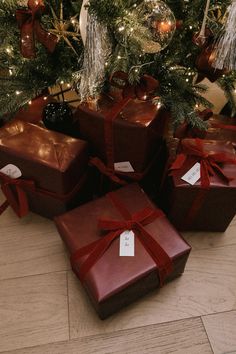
[200, 192]
[125, 135]
[219, 128]
[222, 128]
[51, 168]
[95, 235]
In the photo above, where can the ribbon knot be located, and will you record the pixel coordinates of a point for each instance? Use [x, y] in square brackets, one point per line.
[31, 29]
[13, 189]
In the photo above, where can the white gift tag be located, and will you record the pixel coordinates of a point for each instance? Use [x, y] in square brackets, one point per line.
[123, 166]
[193, 175]
[11, 171]
[127, 244]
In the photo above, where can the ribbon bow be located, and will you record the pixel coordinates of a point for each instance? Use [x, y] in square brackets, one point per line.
[209, 161]
[17, 198]
[136, 222]
[142, 90]
[31, 29]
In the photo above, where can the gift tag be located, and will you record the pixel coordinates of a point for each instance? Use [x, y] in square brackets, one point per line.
[127, 244]
[11, 171]
[193, 175]
[123, 166]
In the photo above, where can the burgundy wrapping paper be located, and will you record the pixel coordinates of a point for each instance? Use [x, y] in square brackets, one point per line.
[137, 131]
[219, 204]
[217, 131]
[55, 162]
[214, 131]
[115, 281]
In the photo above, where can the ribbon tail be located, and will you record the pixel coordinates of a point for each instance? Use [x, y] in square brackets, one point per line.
[23, 206]
[19, 204]
[27, 42]
[178, 163]
[105, 171]
[220, 172]
[48, 39]
[205, 178]
[3, 207]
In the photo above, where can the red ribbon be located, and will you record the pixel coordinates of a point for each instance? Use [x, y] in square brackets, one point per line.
[224, 126]
[31, 29]
[210, 165]
[13, 189]
[143, 91]
[136, 222]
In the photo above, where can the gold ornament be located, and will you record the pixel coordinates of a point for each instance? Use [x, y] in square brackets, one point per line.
[61, 27]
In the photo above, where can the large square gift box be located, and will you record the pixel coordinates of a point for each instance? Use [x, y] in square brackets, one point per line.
[51, 168]
[201, 189]
[122, 247]
[124, 135]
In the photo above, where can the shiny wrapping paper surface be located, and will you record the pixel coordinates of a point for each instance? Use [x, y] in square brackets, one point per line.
[219, 206]
[53, 160]
[116, 281]
[137, 131]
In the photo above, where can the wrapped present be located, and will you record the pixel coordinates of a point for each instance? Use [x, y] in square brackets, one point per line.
[222, 128]
[122, 247]
[201, 188]
[219, 128]
[41, 170]
[124, 135]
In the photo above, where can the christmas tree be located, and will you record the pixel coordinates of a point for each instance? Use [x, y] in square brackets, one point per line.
[44, 43]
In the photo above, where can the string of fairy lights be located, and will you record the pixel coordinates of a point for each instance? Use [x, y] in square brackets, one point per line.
[125, 26]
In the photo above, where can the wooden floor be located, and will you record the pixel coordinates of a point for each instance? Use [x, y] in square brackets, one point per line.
[43, 308]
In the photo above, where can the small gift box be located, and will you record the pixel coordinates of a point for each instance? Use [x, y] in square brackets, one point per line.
[41, 170]
[124, 134]
[121, 248]
[201, 188]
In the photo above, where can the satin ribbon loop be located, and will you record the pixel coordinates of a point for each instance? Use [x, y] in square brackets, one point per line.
[114, 228]
[31, 29]
[13, 189]
[144, 217]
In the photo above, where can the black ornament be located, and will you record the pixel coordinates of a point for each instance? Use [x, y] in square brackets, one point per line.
[58, 116]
